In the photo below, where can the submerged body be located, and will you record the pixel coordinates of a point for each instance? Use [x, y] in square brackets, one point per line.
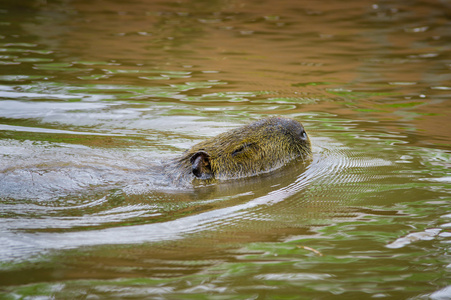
[259, 147]
[253, 149]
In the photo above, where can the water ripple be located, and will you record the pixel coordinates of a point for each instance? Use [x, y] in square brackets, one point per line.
[331, 167]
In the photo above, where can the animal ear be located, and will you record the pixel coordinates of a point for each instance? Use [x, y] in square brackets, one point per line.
[200, 163]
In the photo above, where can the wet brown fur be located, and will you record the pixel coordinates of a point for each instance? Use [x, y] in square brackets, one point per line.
[256, 148]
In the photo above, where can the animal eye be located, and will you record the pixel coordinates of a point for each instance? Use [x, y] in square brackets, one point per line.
[241, 149]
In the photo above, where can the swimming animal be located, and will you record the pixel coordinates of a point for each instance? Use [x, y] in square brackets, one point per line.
[256, 148]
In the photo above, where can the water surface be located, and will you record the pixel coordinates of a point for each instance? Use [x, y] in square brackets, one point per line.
[93, 94]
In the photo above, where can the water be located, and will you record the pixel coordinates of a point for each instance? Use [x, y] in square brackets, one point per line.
[93, 94]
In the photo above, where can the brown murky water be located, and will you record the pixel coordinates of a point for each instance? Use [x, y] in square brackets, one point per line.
[93, 93]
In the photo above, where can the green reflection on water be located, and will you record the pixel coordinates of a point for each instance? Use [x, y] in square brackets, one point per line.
[154, 95]
[356, 95]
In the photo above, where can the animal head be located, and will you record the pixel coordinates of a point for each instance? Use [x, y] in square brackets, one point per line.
[259, 147]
